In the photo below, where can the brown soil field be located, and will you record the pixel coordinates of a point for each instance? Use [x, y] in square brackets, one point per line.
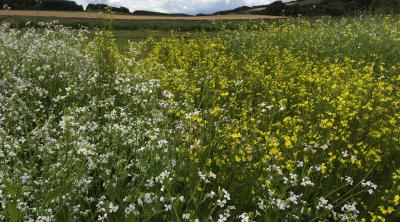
[94, 15]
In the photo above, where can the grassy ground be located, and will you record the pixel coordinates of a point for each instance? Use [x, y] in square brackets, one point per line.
[294, 121]
[125, 30]
[123, 36]
[159, 25]
[85, 15]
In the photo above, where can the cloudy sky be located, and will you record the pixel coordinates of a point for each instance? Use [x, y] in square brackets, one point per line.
[183, 6]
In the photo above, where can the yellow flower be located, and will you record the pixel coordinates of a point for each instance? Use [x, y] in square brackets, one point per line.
[323, 168]
[396, 200]
[326, 123]
[384, 211]
[288, 142]
[236, 135]
[224, 94]
[215, 111]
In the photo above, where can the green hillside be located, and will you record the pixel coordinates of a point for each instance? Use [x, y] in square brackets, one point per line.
[320, 7]
[58, 5]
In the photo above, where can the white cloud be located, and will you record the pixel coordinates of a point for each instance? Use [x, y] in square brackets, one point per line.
[180, 6]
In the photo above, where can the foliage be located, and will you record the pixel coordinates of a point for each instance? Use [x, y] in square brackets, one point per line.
[386, 6]
[104, 7]
[276, 8]
[294, 121]
[333, 7]
[143, 12]
[58, 5]
[227, 12]
[155, 25]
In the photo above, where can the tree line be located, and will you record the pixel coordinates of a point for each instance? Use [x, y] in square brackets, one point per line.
[332, 7]
[57, 5]
[104, 7]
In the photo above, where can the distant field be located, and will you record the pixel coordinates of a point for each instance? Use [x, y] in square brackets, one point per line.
[305, 2]
[133, 28]
[94, 15]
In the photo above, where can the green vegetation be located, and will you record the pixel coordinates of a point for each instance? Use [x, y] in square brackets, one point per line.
[104, 7]
[127, 30]
[66, 5]
[282, 121]
[155, 25]
[150, 13]
[58, 5]
[321, 8]
[332, 7]
[279, 8]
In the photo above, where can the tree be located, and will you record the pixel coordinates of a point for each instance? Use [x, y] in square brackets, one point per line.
[104, 7]
[63, 5]
[362, 4]
[335, 8]
[275, 8]
[386, 6]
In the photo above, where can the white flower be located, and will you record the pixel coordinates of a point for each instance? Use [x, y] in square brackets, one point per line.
[227, 196]
[131, 209]
[206, 176]
[168, 94]
[281, 204]
[203, 177]
[149, 183]
[261, 204]
[300, 164]
[211, 175]
[244, 217]
[306, 182]
[269, 107]
[162, 199]
[324, 203]
[348, 179]
[167, 207]
[211, 194]
[25, 178]
[350, 208]
[324, 147]
[221, 203]
[293, 198]
[112, 208]
[148, 198]
[368, 184]
[186, 216]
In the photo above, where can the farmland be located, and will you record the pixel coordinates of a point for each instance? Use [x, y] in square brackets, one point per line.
[270, 121]
[95, 15]
[131, 27]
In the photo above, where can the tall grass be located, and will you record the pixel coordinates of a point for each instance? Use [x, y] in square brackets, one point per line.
[295, 121]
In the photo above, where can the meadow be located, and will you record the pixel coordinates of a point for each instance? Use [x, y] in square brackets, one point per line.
[279, 121]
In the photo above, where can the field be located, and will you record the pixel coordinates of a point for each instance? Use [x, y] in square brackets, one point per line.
[95, 15]
[271, 121]
[135, 28]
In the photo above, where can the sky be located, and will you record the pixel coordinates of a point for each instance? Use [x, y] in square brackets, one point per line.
[179, 6]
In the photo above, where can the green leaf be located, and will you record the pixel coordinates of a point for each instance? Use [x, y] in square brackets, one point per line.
[13, 213]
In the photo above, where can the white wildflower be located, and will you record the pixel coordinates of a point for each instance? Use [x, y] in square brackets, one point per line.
[112, 208]
[186, 216]
[167, 207]
[244, 217]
